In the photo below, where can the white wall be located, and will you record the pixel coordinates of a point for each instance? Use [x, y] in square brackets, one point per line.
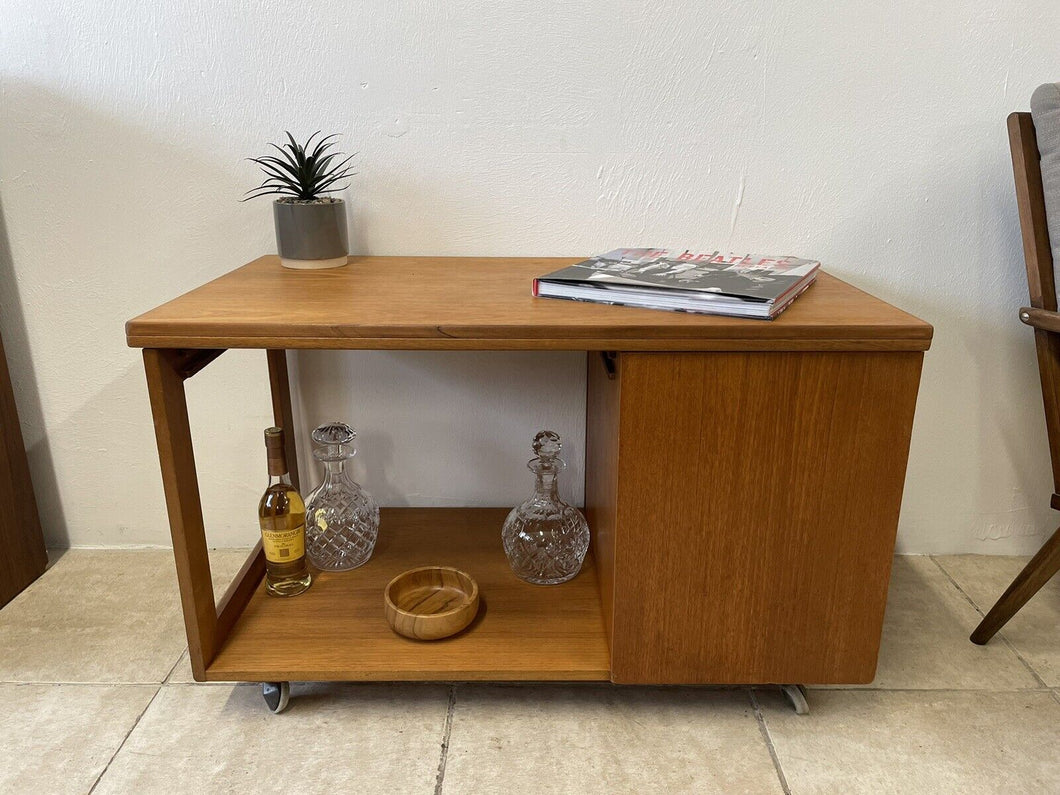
[868, 135]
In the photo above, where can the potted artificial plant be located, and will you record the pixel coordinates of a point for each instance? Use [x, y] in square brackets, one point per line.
[310, 225]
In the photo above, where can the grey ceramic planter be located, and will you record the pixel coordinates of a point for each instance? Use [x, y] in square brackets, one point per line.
[311, 234]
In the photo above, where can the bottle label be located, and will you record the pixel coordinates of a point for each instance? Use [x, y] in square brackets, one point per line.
[283, 546]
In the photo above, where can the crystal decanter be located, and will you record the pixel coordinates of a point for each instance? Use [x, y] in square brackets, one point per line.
[544, 538]
[342, 519]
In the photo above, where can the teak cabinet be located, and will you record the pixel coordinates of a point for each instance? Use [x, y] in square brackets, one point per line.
[743, 482]
[744, 508]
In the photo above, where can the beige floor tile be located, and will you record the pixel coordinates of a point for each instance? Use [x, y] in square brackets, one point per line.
[1035, 630]
[333, 738]
[100, 616]
[932, 742]
[925, 637]
[591, 739]
[224, 565]
[59, 738]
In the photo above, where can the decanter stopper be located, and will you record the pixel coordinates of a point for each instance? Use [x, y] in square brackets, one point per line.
[547, 445]
[544, 538]
[342, 519]
[335, 441]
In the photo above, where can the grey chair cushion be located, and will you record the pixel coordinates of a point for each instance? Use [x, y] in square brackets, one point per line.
[1045, 110]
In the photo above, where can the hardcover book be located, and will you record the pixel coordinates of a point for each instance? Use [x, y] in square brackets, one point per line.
[740, 285]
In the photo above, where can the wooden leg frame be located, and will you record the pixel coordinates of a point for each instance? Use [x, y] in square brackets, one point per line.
[207, 622]
[1027, 583]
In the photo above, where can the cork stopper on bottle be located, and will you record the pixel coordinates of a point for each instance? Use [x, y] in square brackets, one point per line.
[277, 455]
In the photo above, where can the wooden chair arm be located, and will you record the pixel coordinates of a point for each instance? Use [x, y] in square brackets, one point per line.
[1040, 318]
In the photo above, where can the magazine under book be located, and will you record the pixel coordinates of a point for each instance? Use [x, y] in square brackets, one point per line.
[741, 285]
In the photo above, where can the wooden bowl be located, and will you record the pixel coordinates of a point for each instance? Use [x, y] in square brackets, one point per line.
[431, 602]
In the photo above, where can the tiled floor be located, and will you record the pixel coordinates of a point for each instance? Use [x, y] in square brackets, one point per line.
[98, 697]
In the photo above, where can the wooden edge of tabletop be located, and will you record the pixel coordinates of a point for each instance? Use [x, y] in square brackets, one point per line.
[661, 345]
[907, 333]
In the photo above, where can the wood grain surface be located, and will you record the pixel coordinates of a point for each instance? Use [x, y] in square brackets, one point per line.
[22, 555]
[602, 444]
[169, 406]
[485, 304]
[743, 503]
[1030, 201]
[757, 506]
[337, 629]
[1042, 315]
[1038, 258]
[283, 416]
[431, 602]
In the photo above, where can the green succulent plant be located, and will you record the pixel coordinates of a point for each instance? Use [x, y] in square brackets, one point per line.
[302, 171]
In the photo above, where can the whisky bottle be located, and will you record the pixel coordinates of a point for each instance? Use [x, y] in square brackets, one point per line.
[281, 514]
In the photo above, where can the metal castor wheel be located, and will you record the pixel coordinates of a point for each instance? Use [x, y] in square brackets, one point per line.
[796, 696]
[277, 695]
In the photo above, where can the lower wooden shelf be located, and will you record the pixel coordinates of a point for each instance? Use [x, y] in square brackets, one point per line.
[336, 630]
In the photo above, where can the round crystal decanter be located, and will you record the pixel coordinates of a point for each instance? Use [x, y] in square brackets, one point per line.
[341, 518]
[544, 538]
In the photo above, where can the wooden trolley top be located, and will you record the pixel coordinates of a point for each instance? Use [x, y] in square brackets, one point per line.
[475, 303]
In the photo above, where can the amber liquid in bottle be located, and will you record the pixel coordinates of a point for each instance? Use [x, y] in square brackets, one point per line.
[281, 514]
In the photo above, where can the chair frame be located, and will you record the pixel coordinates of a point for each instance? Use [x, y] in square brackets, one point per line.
[1043, 317]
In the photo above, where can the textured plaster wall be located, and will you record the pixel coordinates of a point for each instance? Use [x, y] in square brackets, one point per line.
[869, 135]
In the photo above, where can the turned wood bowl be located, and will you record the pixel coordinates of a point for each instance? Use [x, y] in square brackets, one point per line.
[431, 602]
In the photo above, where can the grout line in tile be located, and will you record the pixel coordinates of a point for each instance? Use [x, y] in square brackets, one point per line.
[124, 740]
[446, 732]
[1000, 634]
[604, 686]
[955, 584]
[51, 683]
[991, 690]
[764, 731]
[818, 688]
[165, 679]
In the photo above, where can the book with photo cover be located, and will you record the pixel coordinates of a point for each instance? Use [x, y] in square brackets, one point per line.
[740, 285]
